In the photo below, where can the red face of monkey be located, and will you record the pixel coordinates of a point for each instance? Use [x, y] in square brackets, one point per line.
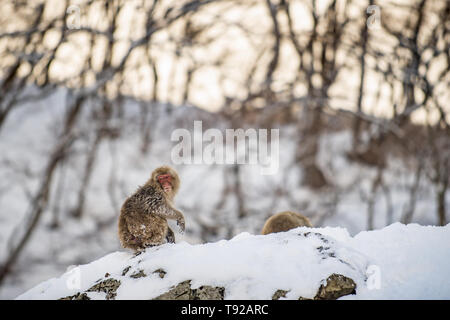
[165, 181]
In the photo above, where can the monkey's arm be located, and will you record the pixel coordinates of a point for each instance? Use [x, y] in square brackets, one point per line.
[169, 212]
[156, 203]
[170, 236]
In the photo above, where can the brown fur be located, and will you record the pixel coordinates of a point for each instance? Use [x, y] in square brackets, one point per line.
[143, 216]
[285, 221]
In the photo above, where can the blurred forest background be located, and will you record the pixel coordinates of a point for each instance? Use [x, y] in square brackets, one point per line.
[91, 90]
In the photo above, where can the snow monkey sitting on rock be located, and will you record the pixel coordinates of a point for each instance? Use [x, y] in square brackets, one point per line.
[143, 217]
[285, 221]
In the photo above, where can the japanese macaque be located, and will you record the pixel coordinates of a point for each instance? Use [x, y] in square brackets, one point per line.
[285, 221]
[143, 217]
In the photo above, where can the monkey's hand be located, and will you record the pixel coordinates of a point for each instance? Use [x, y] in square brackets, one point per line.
[172, 213]
[181, 224]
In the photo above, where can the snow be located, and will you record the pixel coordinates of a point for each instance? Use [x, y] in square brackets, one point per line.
[414, 261]
[396, 262]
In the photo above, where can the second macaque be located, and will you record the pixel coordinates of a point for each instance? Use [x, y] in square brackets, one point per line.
[285, 221]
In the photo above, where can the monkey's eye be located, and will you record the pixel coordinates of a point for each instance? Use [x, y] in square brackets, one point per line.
[164, 177]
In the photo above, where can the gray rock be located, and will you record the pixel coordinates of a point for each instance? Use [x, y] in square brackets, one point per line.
[335, 287]
[208, 293]
[183, 291]
[180, 292]
[279, 294]
[77, 296]
[108, 286]
[138, 274]
[160, 272]
[124, 272]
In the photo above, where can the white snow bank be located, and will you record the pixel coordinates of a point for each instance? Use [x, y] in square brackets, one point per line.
[397, 262]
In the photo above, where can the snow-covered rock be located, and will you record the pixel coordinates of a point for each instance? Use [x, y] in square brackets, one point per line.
[397, 262]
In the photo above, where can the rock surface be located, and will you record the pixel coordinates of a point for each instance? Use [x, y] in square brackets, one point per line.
[300, 264]
[183, 291]
[334, 287]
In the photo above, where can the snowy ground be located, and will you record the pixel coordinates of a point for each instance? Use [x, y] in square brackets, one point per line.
[29, 135]
[397, 262]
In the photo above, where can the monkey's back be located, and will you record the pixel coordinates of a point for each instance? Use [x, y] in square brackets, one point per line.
[139, 224]
[285, 221]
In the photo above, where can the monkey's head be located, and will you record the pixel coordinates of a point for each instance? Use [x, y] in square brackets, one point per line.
[167, 178]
